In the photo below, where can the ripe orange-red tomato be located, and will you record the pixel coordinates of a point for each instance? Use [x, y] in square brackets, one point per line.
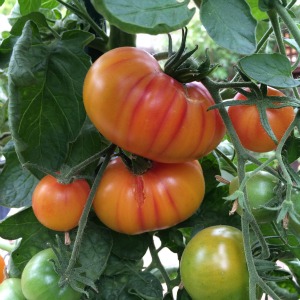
[2, 269]
[144, 111]
[163, 196]
[246, 121]
[59, 206]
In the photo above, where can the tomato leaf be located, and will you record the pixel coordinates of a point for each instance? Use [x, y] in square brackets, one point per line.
[238, 35]
[38, 18]
[45, 84]
[136, 285]
[95, 250]
[129, 246]
[34, 236]
[153, 17]
[146, 286]
[78, 150]
[270, 69]
[117, 266]
[256, 12]
[171, 238]
[292, 148]
[27, 7]
[16, 183]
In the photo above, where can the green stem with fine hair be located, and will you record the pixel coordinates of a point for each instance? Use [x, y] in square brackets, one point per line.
[288, 20]
[84, 216]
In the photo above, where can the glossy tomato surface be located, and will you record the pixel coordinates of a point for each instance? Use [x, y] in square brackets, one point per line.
[260, 190]
[2, 269]
[59, 206]
[246, 121]
[144, 111]
[160, 198]
[40, 281]
[10, 289]
[213, 265]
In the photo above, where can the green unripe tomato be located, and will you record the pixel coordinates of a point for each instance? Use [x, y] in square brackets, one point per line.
[260, 190]
[213, 265]
[10, 289]
[40, 281]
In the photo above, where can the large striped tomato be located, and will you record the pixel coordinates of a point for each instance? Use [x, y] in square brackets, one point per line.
[163, 196]
[134, 104]
[246, 121]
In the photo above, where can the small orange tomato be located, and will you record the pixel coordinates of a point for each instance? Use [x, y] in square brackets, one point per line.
[246, 121]
[59, 206]
[163, 196]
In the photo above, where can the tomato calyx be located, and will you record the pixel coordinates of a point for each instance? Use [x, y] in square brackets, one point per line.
[137, 165]
[183, 67]
[74, 277]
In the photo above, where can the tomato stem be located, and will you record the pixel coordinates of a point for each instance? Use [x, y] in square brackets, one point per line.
[79, 9]
[85, 213]
[158, 264]
[7, 245]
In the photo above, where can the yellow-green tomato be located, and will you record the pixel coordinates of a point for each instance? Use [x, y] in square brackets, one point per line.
[213, 265]
[260, 190]
[10, 289]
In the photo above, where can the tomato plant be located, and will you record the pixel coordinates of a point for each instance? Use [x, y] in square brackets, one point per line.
[145, 111]
[59, 206]
[213, 265]
[163, 196]
[10, 289]
[40, 281]
[80, 85]
[261, 190]
[247, 123]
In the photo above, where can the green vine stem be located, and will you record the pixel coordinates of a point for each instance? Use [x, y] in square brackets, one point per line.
[79, 9]
[156, 262]
[277, 30]
[84, 216]
[7, 245]
[247, 218]
[288, 20]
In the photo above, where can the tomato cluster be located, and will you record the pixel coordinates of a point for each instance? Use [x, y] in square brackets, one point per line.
[146, 112]
[150, 115]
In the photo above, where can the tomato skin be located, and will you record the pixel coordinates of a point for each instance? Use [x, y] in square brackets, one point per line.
[59, 206]
[10, 289]
[144, 111]
[40, 281]
[245, 120]
[213, 265]
[2, 269]
[260, 190]
[160, 198]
